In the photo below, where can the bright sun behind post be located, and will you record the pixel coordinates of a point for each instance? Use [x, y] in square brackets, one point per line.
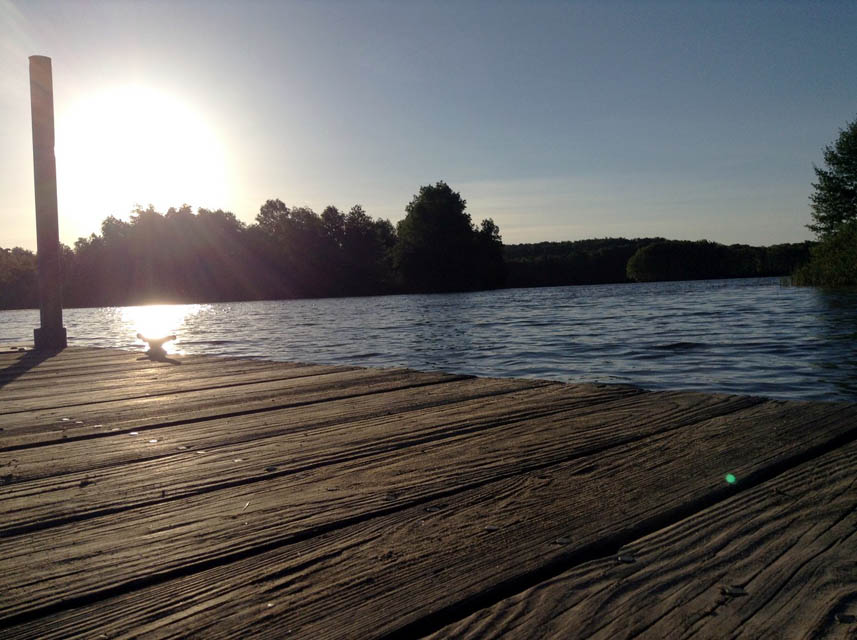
[130, 145]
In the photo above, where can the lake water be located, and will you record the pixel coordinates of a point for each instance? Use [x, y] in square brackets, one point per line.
[740, 336]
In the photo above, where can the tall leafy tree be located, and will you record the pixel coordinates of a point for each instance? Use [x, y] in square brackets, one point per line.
[833, 260]
[834, 201]
[490, 265]
[433, 248]
[438, 248]
[366, 245]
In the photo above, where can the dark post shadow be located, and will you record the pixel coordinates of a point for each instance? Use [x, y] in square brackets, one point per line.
[23, 364]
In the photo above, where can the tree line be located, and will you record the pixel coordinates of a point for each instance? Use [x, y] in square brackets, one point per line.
[287, 252]
[614, 260]
[181, 256]
[294, 252]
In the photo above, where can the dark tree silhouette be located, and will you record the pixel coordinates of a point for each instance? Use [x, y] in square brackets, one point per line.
[437, 248]
[677, 260]
[488, 256]
[18, 288]
[834, 201]
[596, 261]
[212, 256]
[834, 260]
[296, 244]
[686, 260]
[834, 212]
[366, 253]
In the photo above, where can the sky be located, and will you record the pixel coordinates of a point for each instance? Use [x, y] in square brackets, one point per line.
[559, 120]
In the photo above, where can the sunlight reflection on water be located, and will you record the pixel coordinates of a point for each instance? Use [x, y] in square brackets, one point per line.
[159, 320]
[736, 336]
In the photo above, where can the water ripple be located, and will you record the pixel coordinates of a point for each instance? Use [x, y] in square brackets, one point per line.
[739, 336]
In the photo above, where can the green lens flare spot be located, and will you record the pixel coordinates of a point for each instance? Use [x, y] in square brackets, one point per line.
[731, 479]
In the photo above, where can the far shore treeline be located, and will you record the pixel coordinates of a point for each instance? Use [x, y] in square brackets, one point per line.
[294, 252]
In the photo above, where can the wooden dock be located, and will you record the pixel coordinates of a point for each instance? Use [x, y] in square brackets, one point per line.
[227, 498]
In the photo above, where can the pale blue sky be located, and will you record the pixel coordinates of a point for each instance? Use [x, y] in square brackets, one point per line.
[561, 120]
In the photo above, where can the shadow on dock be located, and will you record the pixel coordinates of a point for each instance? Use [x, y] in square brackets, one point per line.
[27, 361]
[159, 357]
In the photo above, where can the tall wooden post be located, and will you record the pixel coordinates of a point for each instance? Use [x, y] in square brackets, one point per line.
[52, 334]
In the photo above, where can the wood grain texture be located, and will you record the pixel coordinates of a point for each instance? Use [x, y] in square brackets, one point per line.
[306, 385]
[227, 498]
[70, 361]
[160, 538]
[331, 419]
[498, 434]
[101, 366]
[148, 384]
[778, 561]
[401, 569]
[162, 375]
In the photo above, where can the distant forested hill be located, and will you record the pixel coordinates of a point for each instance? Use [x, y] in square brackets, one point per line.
[611, 260]
[702, 260]
[546, 264]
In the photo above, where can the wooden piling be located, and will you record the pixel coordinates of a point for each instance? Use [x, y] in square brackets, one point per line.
[51, 334]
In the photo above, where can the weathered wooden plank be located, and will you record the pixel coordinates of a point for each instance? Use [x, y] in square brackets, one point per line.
[481, 397]
[75, 361]
[528, 428]
[279, 506]
[36, 364]
[182, 396]
[294, 444]
[9, 352]
[96, 381]
[113, 363]
[97, 378]
[410, 565]
[70, 357]
[151, 383]
[315, 383]
[67, 354]
[777, 561]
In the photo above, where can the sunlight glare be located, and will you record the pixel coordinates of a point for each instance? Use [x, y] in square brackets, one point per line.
[159, 320]
[131, 145]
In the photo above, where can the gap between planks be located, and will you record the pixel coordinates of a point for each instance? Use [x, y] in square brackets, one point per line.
[298, 448]
[365, 490]
[52, 426]
[774, 561]
[379, 576]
